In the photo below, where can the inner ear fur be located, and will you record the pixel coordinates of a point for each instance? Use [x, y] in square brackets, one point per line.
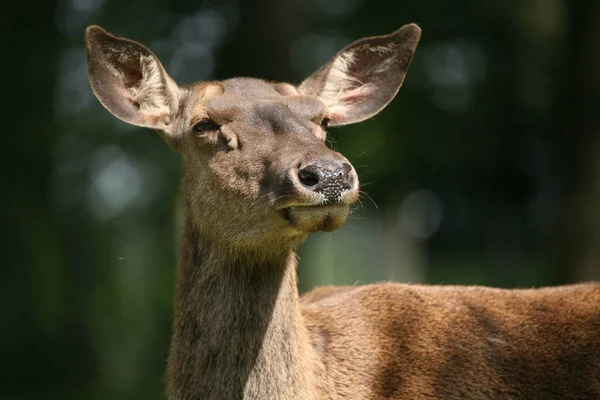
[363, 77]
[130, 81]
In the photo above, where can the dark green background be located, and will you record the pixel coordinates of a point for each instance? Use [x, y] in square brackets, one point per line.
[484, 169]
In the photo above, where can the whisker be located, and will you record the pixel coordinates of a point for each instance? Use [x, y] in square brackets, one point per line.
[369, 197]
[362, 206]
[362, 153]
[255, 203]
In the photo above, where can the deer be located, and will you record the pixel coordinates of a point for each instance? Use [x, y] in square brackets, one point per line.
[257, 179]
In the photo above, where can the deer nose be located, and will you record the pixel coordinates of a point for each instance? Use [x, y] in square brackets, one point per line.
[330, 178]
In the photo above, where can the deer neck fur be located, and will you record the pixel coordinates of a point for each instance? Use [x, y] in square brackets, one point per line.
[238, 332]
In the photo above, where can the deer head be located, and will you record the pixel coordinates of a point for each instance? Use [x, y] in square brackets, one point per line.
[256, 170]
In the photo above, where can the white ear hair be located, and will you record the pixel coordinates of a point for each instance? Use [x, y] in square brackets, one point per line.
[341, 87]
[130, 81]
[361, 79]
[149, 92]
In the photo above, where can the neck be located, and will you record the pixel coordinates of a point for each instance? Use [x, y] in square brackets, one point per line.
[238, 332]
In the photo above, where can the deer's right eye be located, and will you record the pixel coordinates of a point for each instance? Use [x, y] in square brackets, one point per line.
[206, 125]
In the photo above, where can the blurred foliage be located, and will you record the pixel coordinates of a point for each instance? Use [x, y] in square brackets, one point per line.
[484, 170]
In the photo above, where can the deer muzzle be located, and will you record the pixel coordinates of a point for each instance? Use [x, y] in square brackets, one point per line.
[324, 188]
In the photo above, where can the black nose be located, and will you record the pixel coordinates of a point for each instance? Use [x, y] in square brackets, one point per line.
[330, 179]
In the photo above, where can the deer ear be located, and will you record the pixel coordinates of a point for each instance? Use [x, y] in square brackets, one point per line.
[361, 79]
[129, 80]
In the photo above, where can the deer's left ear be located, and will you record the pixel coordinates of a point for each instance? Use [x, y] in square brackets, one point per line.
[361, 79]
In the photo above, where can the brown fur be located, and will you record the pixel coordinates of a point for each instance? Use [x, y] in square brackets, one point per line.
[240, 330]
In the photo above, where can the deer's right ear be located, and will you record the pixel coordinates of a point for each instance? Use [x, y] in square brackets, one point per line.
[130, 82]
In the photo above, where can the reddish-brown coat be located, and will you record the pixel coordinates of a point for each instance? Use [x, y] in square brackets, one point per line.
[240, 330]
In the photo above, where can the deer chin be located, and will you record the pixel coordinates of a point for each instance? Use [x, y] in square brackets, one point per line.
[309, 219]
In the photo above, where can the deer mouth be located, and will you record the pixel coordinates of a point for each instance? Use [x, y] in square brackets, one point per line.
[313, 218]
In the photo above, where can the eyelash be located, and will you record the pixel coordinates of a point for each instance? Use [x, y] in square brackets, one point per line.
[206, 125]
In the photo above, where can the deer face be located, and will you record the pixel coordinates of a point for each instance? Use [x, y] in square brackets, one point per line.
[256, 167]
[261, 145]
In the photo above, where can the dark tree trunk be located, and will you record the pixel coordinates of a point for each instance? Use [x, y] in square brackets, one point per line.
[578, 234]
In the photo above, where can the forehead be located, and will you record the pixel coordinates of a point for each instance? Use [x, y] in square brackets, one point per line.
[247, 97]
[250, 87]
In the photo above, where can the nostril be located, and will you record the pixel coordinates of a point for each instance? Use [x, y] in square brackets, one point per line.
[346, 168]
[309, 176]
[345, 173]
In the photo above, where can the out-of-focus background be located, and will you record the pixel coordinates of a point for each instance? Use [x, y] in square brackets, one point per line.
[485, 169]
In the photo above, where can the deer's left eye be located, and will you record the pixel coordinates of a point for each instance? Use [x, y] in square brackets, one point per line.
[325, 123]
[206, 125]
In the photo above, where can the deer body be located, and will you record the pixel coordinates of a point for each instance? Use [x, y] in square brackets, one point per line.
[257, 179]
[459, 342]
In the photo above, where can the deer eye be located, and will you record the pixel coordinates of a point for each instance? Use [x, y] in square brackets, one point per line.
[325, 123]
[206, 125]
